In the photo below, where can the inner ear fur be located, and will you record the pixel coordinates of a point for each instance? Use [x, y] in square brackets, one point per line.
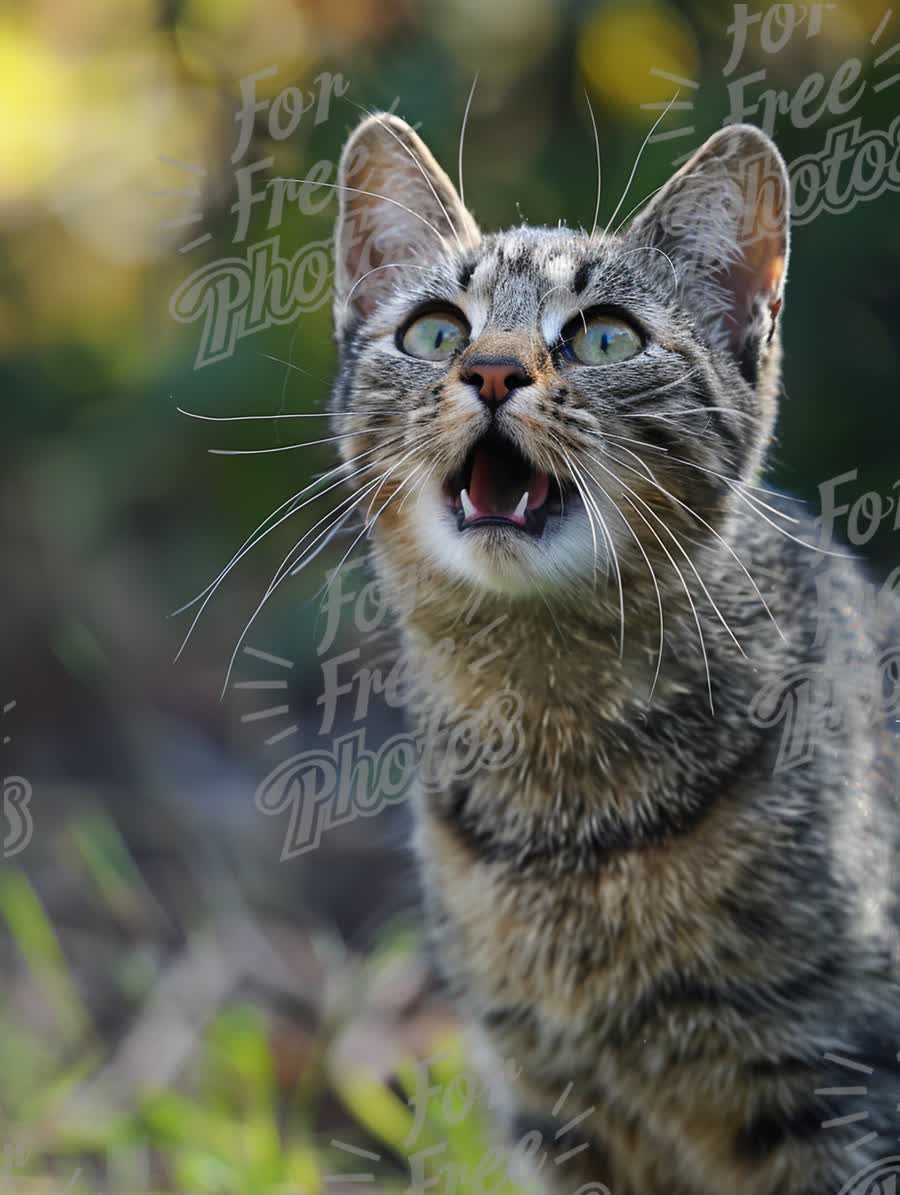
[397, 207]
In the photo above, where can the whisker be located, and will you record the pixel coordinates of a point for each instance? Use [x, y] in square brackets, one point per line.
[462, 137]
[647, 471]
[247, 542]
[372, 195]
[653, 578]
[387, 128]
[297, 368]
[638, 205]
[587, 507]
[744, 485]
[396, 464]
[585, 497]
[615, 558]
[391, 265]
[205, 596]
[725, 544]
[669, 421]
[370, 524]
[247, 418]
[556, 478]
[668, 530]
[637, 160]
[420, 487]
[776, 511]
[360, 494]
[367, 527]
[599, 174]
[661, 390]
[692, 411]
[284, 380]
[282, 447]
[285, 569]
[631, 440]
[244, 418]
[655, 249]
[278, 415]
[328, 535]
[547, 294]
[753, 504]
[647, 198]
[680, 576]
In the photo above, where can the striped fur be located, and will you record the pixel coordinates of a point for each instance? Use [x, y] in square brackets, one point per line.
[640, 904]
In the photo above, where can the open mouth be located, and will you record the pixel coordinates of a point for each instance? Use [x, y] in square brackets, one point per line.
[497, 486]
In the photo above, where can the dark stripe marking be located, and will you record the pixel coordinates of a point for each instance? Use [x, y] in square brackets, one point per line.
[756, 1141]
[582, 277]
[680, 991]
[592, 838]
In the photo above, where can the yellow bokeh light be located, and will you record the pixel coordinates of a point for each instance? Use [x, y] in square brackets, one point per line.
[228, 40]
[34, 97]
[625, 50]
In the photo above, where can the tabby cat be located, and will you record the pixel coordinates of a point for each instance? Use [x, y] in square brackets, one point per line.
[557, 438]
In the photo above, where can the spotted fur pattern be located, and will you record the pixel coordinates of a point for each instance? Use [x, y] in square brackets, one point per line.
[641, 903]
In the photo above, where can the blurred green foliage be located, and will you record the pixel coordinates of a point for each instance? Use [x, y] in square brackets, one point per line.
[231, 1128]
[120, 106]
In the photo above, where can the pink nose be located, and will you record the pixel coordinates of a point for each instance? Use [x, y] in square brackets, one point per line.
[495, 379]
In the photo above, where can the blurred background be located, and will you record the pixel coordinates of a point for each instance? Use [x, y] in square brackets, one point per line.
[190, 1000]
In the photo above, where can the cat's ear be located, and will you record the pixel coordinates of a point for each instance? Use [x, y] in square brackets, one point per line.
[723, 221]
[397, 209]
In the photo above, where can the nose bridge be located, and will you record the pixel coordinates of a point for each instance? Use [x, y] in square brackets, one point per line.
[513, 348]
[496, 363]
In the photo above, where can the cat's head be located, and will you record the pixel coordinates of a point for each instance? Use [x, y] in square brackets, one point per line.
[526, 404]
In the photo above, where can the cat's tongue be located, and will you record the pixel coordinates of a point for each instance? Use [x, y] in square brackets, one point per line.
[493, 493]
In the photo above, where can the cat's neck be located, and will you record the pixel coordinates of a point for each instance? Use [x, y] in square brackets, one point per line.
[573, 661]
[578, 662]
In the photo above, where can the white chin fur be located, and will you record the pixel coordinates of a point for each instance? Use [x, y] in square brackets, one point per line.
[526, 567]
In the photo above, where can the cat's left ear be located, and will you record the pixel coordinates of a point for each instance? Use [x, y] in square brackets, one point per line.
[723, 221]
[397, 209]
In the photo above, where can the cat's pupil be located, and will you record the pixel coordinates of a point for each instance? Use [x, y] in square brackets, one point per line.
[439, 338]
[604, 342]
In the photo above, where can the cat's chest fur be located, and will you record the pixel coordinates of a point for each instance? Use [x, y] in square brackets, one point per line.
[544, 955]
[562, 975]
[602, 864]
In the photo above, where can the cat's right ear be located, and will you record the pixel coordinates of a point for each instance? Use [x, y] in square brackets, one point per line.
[397, 209]
[722, 220]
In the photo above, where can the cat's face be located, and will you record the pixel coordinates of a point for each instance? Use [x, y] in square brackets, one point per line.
[525, 410]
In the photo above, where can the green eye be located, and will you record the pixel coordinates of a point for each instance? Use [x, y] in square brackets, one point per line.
[435, 336]
[603, 340]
